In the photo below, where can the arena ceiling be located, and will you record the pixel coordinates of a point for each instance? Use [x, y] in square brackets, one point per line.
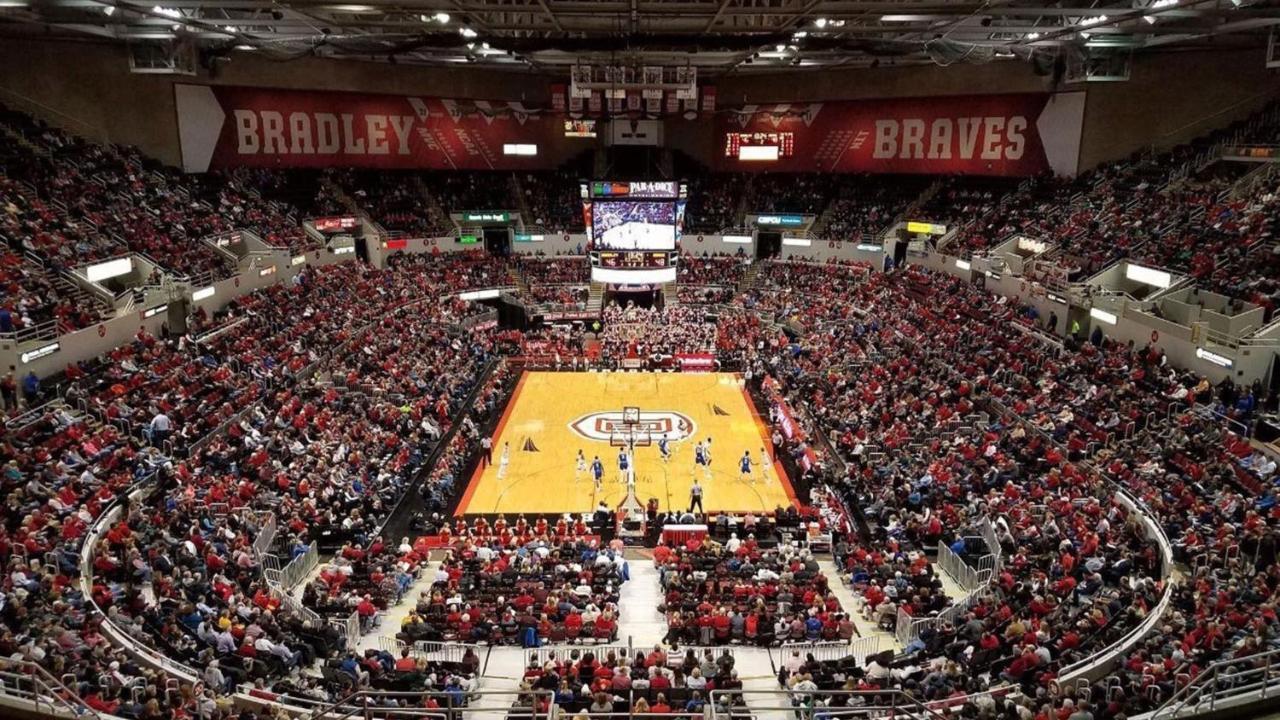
[717, 36]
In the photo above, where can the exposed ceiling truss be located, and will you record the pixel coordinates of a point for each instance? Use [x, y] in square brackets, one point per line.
[717, 36]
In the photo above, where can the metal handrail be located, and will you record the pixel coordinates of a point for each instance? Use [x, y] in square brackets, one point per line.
[900, 703]
[46, 689]
[352, 704]
[47, 330]
[1219, 682]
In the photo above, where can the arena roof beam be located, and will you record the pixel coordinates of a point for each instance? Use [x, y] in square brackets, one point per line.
[716, 35]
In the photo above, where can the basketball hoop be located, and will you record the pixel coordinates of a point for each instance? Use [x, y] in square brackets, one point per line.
[630, 434]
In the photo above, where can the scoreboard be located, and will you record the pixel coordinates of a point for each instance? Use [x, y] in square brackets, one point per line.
[640, 260]
[634, 229]
[782, 144]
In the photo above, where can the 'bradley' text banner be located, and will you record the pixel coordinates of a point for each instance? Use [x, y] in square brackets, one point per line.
[224, 126]
[1012, 135]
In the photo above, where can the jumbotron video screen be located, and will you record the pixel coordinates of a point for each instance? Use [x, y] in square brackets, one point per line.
[633, 215]
[626, 225]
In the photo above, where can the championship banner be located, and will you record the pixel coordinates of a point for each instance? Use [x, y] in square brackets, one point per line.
[226, 127]
[1009, 135]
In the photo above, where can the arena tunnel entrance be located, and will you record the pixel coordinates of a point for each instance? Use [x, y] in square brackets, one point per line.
[497, 240]
[900, 253]
[768, 244]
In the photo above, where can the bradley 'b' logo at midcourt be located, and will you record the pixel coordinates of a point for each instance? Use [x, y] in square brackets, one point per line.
[656, 423]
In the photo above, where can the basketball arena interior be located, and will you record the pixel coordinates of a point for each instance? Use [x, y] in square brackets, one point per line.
[639, 359]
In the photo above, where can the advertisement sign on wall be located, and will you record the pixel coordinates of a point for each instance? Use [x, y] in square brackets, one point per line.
[227, 126]
[1013, 134]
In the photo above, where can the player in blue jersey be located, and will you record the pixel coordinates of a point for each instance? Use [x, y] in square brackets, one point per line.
[597, 471]
[624, 464]
[744, 465]
[664, 448]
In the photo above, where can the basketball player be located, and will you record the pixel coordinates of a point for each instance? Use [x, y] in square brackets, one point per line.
[700, 459]
[765, 461]
[663, 448]
[624, 464]
[581, 468]
[744, 466]
[597, 471]
[505, 460]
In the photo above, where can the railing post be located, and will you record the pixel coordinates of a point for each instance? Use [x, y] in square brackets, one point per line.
[1266, 677]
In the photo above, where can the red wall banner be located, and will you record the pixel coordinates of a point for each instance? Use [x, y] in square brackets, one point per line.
[1012, 135]
[224, 126]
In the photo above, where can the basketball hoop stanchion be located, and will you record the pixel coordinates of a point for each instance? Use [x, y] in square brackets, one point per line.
[630, 515]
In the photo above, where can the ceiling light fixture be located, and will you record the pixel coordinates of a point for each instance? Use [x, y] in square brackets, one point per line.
[109, 10]
[442, 18]
[820, 22]
[466, 32]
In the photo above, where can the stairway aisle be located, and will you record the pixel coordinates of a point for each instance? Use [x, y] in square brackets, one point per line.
[638, 604]
[389, 620]
[853, 605]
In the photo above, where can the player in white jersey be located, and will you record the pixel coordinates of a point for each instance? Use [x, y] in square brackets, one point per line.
[581, 468]
[505, 460]
[702, 458]
[765, 460]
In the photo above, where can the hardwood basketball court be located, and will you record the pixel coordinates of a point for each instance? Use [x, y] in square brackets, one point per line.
[552, 415]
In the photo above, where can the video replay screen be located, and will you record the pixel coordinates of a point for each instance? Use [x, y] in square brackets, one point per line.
[633, 224]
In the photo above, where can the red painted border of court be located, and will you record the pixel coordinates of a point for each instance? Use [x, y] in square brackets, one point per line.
[497, 433]
[768, 441]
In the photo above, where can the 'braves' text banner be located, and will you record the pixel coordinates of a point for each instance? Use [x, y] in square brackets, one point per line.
[1020, 134]
[223, 127]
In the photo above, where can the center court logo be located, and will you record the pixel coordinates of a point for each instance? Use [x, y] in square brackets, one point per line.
[601, 425]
